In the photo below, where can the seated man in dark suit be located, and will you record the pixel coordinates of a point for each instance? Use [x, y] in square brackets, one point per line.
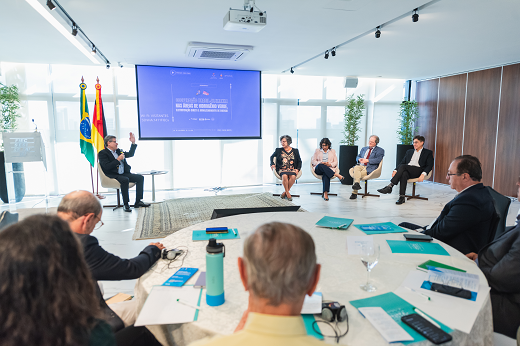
[113, 163]
[417, 163]
[499, 261]
[368, 160]
[82, 210]
[465, 222]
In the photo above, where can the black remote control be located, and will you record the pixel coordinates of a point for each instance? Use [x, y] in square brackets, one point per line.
[426, 329]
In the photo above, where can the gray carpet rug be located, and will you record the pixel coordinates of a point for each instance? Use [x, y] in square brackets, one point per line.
[162, 219]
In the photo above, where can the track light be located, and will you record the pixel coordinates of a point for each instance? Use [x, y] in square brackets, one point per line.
[50, 5]
[326, 54]
[74, 29]
[120, 65]
[415, 16]
[108, 66]
[292, 71]
[333, 51]
[378, 33]
[93, 50]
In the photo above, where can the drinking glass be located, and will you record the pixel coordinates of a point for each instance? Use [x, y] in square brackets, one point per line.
[369, 257]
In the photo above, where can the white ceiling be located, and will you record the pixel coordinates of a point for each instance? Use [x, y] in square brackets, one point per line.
[451, 35]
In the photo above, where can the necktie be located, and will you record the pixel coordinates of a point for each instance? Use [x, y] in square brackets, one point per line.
[368, 155]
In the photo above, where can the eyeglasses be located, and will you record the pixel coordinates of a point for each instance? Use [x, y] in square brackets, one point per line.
[449, 174]
[99, 224]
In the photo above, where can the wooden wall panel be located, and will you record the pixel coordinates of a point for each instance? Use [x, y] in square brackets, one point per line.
[426, 97]
[507, 168]
[481, 119]
[450, 123]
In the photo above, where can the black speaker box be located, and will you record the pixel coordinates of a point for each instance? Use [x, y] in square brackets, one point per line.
[218, 213]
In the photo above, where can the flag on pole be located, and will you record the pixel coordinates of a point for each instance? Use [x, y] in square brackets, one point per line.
[85, 139]
[99, 126]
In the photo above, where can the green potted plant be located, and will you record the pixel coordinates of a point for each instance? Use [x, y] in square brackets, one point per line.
[9, 106]
[354, 110]
[408, 116]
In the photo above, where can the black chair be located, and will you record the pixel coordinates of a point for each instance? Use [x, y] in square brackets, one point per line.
[501, 207]
[6, 219]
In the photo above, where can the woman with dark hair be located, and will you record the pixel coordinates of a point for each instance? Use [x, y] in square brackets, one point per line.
[47, 296]
[287, 164]
[324, 162]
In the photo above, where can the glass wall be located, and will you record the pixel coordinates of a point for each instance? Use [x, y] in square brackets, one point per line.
[307, 108]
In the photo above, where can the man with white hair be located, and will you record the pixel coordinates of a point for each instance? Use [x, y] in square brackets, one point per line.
[278, 269]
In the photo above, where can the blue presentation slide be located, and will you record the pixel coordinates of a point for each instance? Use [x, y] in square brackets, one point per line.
[189, 103]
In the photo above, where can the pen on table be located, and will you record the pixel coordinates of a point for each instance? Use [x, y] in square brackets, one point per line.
[427, 317]
[234, 232]
[419, 293]
[188, 304]
[340, 226]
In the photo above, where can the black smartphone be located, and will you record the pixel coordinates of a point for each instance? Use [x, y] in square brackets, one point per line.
[417, 237]
[452, 291]
[426, 329]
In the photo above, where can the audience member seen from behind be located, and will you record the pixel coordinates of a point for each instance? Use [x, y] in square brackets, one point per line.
[324, 162]
[465, 222]
[278, 269]
[499, 261]
[47, 296]
[287, 164]
[82, 210]
[368, 160]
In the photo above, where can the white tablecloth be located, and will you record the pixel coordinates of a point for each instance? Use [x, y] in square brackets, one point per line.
[341, 276]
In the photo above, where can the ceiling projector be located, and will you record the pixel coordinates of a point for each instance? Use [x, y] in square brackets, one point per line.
[245, 20]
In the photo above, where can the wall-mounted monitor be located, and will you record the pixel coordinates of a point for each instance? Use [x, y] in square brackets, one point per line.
[196, 103]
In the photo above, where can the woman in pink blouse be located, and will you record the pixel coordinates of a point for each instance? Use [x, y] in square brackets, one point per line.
[324, 162]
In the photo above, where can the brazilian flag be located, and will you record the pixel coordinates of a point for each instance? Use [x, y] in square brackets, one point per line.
[85, 139]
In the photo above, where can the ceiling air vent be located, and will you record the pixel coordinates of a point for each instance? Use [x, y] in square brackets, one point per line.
[211, 51]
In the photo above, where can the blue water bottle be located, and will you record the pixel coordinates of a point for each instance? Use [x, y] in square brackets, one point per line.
[215, 273]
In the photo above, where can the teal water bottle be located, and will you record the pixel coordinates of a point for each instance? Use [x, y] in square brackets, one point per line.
[215, 273]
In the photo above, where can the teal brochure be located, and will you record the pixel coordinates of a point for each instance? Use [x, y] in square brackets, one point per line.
[380, 228]
[334, 222]
[180, 277]
[202, 235]
[308, 320]
[404, 246]
[396, 307]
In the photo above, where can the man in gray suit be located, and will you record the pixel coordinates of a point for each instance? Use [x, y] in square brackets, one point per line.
[368, 160]
[499, 262]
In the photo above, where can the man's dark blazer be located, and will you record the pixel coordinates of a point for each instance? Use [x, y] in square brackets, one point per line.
[106, 266]
[499, 261]
[425, 160]
[110, 164]
[465, 221]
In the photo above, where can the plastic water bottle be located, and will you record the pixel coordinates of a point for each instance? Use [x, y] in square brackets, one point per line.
[215, 273]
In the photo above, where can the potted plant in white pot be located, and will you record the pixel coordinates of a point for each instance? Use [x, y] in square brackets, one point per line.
[354, 110]
[9, 106]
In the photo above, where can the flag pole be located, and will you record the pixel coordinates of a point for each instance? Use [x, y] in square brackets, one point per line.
[92, 179]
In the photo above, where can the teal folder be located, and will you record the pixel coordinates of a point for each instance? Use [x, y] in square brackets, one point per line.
[334, 222]
[404, 246]
[202, 235]
[396, 307]
[380, 228]
[308, 320]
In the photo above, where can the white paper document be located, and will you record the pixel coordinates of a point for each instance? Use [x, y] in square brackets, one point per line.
[162, 307]
[454, 312]
[312, 305]
[385, 325]
[454, 278]
[354, 243]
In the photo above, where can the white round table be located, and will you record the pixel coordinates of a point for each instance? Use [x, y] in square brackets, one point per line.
[341, 276]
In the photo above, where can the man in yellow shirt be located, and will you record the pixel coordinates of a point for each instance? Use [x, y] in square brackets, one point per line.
[278, 269]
